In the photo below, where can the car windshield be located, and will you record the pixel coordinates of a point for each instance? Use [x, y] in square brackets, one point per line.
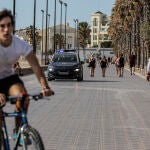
[64, 58]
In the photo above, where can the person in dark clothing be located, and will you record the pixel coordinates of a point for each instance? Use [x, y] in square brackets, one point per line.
[92, 64]
[132, 60]
[121, 65]
[103, 65]
[109, 61]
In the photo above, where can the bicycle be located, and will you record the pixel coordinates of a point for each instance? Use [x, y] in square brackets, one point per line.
[31, 139]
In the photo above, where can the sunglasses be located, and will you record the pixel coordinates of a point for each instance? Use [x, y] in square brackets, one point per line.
[6, 25]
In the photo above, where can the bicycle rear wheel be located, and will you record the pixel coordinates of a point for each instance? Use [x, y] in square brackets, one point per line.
[32, 139]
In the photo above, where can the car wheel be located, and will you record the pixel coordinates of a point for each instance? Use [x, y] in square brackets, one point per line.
[80, 78]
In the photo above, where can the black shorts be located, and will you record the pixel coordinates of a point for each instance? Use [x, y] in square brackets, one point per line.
[121, 65]
[132, 65]
[7, 82]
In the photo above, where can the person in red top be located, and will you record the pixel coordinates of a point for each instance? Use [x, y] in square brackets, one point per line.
[117, 64]
[132, 60]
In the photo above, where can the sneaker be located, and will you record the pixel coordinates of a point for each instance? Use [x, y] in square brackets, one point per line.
[20, 140]
[27, 140]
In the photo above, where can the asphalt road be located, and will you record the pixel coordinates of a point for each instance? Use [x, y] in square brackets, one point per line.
[99, 113]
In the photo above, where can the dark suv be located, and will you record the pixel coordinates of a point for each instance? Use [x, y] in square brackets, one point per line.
[65, 65]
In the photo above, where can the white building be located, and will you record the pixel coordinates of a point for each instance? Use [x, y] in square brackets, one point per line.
[99, 26]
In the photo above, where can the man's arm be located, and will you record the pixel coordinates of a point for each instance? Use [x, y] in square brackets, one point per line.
[31, 58]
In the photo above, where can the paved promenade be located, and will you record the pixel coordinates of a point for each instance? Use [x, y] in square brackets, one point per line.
[25, 67]
[99, 113]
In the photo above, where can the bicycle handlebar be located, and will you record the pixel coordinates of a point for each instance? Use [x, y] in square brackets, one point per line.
[31, 96]
[23, 96]
[35, 97]
[12, 99]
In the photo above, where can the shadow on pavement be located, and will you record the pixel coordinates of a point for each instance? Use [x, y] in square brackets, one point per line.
[99, 81]
[72, 80]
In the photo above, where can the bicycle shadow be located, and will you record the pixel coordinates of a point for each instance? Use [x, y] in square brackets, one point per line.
[100, 81]
[74, 80]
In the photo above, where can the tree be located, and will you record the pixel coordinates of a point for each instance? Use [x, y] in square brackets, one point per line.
[29, 33]
[84, 35]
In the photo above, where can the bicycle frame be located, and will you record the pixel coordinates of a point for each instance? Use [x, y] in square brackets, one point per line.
[24, 127]
[23, 124]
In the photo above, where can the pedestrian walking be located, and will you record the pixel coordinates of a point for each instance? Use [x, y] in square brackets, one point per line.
[148, 70]
[103, 65]
[92, 65]
[109, 61]
[132, 59]
[121, 65]
[117, 64]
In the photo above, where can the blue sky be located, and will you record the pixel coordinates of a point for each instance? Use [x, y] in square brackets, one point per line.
[76, 9]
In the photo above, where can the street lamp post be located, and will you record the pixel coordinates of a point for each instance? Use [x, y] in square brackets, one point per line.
[48, 30]
[46, 33]
[42, 33]
[65, 21]
[14, 14]
[54, 25]
[75, 34]
[34, 42]
[61, 2]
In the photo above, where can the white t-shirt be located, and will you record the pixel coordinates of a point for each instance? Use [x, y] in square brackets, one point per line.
[10, 55]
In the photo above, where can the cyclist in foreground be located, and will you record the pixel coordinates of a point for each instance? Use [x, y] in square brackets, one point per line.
[11, 48]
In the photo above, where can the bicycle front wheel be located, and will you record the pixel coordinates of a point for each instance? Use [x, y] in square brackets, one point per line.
[32, 139]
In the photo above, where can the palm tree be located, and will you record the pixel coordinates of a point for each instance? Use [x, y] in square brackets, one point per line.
[84, 34]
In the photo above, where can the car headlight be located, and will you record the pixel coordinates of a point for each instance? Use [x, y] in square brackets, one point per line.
[51, 68]
[77, 69]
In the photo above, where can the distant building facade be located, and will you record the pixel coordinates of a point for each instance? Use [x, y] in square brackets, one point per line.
[70, 37]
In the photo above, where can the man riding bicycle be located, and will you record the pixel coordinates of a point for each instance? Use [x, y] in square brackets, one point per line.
[11, 48]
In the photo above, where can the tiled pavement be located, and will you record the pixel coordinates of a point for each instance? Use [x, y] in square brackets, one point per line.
[108, 113]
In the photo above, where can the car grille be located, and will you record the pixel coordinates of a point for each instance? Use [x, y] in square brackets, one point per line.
[63, 70]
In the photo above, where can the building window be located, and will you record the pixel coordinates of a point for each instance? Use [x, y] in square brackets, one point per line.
[94, 37]
[94, 30]
[103, 29]
[95, 22]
